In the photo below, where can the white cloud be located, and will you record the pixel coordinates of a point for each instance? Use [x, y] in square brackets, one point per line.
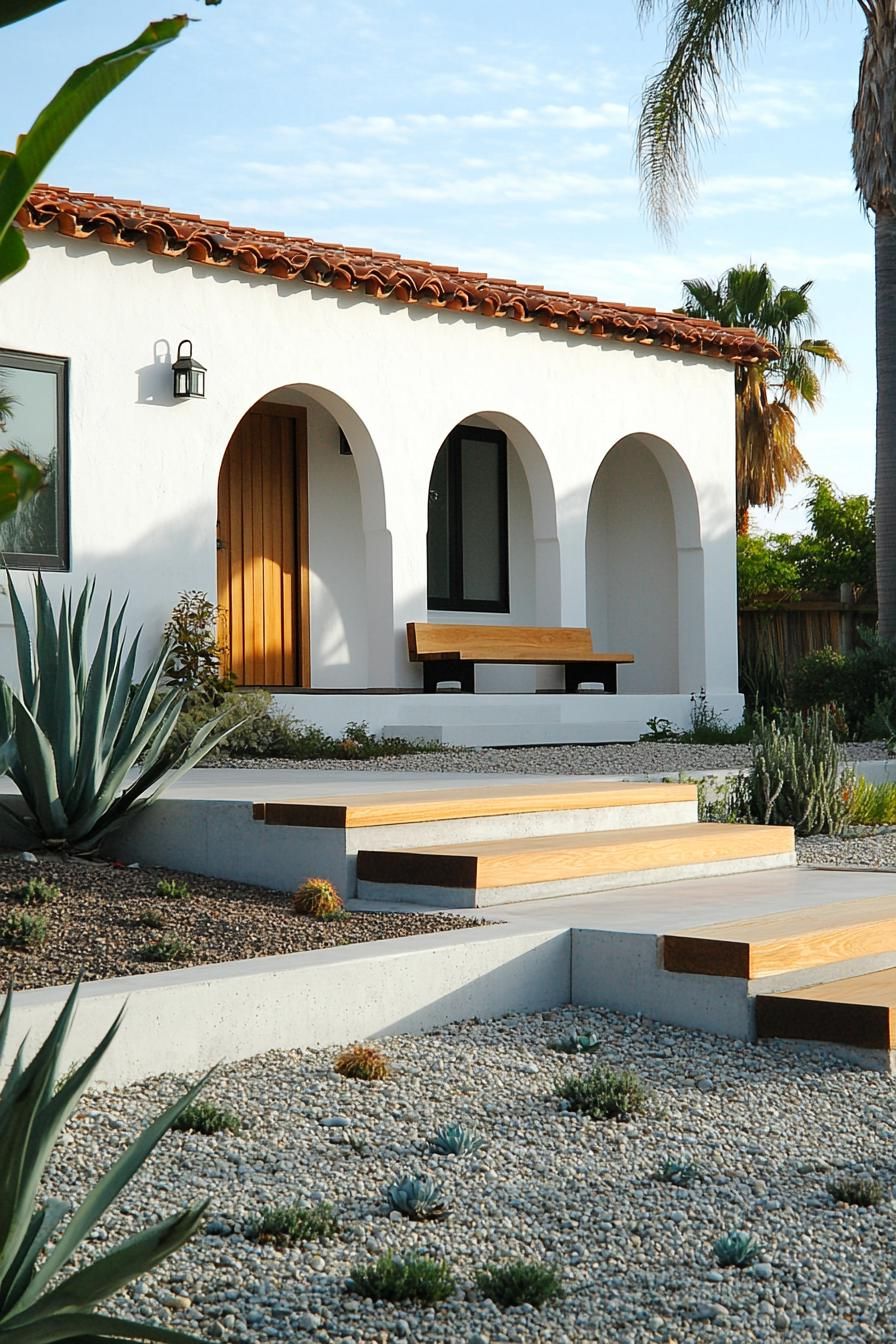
[551, 116]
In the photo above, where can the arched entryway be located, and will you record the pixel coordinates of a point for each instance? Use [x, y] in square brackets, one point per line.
[644, 566]
[304, 568]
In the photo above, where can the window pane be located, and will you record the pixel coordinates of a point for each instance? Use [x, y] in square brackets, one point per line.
[30, 426]
[438, 554]
[481, 489]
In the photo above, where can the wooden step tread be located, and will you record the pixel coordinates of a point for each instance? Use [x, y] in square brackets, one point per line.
[510, 863]
[859, 1011]
[347, 810]
[789, 940]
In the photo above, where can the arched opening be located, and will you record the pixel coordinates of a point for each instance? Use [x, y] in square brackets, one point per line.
[492, 549]
[644, 566]
[304, 560]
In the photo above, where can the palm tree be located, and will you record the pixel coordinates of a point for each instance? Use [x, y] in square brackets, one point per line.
[708, 41]
[768, 394]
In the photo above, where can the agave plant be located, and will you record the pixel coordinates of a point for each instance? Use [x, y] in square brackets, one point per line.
[36, 1244]
[578, 1043]
[416, 1197]
[738, 1249]
[456, 1141]
[78, 726]
[676, 1171]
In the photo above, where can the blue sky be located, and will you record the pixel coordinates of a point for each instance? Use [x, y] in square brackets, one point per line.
[497, 137]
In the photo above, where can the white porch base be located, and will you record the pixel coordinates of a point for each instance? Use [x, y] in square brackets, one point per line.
[494, 720]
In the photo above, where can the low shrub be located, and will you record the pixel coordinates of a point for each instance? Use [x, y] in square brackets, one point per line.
[862, 683]
[417, 1198]
[151, 919]
[728, 801]
[36, 892]
[172, 890]
[518, 1282]
[409, 1278]
[737, 1249]
[204, 1117]
[709, 727]
[871, 804]
[24, 931]
[319, 898]
[797, 777]
[604, 1094]
[862, 1191]
[286, 1224]
[362, 1061]
[167, 948]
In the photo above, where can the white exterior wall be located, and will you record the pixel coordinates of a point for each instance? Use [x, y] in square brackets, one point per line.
[144, 469]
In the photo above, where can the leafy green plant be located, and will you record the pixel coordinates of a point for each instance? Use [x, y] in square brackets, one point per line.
[577, 1043]
[709, 727]
[151, 919]
[318, 898]
[871, 804]
[409, 1278]
[727, 800]
[171, 890]
[197, 660]
[661, 730]
[365, 1062]
[675, 1172]
[861, 683]
[766, 569]
[418, 1198]
[204, 1117]
[168, 948]
[36, 1243]
[862, 1191]
[70, 752]
[456, 1141]
[25, 931]
[604, 1094]
[737, 1249]
[286, 1224]
[797, 777]
[36, 892]
[518, 1282]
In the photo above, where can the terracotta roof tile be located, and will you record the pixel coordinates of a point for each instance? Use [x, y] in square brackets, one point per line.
[379, 275]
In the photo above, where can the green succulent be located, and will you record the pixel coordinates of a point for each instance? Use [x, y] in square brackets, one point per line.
[738, 1249]
[457, 1141]
[575, 1044]
[36, 1241]
[672, 1172]
[417, 1197]
[79, 724]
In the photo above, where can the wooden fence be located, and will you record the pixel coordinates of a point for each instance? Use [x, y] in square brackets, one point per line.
[790, 630]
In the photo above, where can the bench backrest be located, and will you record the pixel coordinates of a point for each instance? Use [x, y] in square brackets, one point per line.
[497, 641]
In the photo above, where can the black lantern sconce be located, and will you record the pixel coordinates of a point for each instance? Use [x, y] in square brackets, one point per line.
[189, 374]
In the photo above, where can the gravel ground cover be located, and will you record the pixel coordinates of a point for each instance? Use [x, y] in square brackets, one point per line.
[862, 848]
[608, 758]
[98, 923]
[766, 1128]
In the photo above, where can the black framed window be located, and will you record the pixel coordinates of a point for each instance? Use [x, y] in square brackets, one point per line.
[467, 565]
[34, 421]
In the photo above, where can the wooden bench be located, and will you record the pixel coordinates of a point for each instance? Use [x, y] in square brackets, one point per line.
[451, 652]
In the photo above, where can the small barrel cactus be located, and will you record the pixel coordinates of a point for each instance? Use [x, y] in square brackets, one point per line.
[738, 1249]
[417, 1197]
[362, 1061]
[456, 1141]
[319, 898]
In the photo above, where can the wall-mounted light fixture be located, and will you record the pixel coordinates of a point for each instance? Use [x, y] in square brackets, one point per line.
[189, 374]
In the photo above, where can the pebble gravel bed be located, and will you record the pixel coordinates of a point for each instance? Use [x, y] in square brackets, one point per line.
[609, 758]
[96, 926]
[766, 1127]
[862, 848]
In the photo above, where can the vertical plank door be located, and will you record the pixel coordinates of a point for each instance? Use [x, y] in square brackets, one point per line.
[262, 549]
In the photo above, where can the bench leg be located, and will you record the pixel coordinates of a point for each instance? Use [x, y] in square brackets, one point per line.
[448, 669]
[576, 673]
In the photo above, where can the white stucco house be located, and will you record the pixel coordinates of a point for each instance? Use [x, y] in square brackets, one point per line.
[381, 440]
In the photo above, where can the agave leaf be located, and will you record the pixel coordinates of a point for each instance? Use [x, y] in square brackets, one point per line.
[24, 655]
[5, 1013]
[91, 762]
[39, 767]
[64, 718]
[106, 1190]
[92, 1328]
[118, 702]
[46, 650]
[44, 1223]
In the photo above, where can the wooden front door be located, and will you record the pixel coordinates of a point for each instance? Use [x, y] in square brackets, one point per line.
[263, 549]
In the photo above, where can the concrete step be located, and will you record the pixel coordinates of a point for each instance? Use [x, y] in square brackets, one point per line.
[788, 942]
[859, 1012]
[330, 829]
[532, 868]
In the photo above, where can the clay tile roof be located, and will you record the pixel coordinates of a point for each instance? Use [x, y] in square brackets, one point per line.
[116, 222]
